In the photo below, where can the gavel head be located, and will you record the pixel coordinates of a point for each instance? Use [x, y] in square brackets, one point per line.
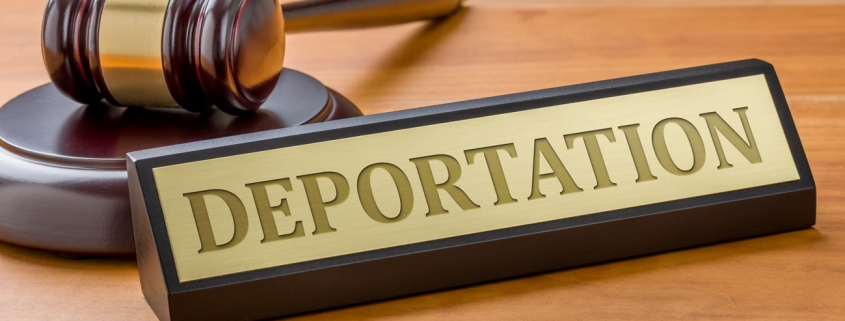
[165, 53]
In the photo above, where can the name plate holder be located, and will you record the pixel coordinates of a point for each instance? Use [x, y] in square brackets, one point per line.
[332, 214]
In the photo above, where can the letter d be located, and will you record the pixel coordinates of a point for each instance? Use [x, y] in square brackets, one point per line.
[236, 208]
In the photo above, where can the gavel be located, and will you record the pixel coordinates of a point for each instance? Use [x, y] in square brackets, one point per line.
[194, 54]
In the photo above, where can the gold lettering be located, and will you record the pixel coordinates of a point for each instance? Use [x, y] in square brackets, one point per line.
[594, 152]
[430, 188]
[637, 153]
[403, 186]
[315, 198]
[748, 149]
[542, 147]
[658, 139]
[494, 166]
[265, 210]
[206, 234]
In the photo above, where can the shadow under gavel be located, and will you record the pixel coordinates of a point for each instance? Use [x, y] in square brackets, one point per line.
[110, 132]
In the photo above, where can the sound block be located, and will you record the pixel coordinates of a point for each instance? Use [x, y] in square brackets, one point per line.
[63, 181]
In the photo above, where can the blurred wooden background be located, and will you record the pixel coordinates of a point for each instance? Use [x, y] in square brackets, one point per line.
[496, 47]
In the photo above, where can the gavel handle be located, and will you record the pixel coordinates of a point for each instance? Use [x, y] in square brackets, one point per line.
[314, 15]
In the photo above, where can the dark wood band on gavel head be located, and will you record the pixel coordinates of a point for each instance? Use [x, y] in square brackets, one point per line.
[65, 46]
[160, 53]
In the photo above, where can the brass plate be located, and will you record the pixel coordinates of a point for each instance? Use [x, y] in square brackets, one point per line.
[589, 138]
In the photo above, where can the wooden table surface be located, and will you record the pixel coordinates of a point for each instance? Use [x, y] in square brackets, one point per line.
[496, 47]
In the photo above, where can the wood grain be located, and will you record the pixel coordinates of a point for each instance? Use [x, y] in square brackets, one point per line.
[496, 47]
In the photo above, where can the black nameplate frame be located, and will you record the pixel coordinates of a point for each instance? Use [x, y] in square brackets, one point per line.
[426, 199]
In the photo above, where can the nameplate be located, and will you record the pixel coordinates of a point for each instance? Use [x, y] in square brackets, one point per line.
[219, 218]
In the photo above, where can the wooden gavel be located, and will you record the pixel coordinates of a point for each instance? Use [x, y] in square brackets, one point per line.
[194, 53]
